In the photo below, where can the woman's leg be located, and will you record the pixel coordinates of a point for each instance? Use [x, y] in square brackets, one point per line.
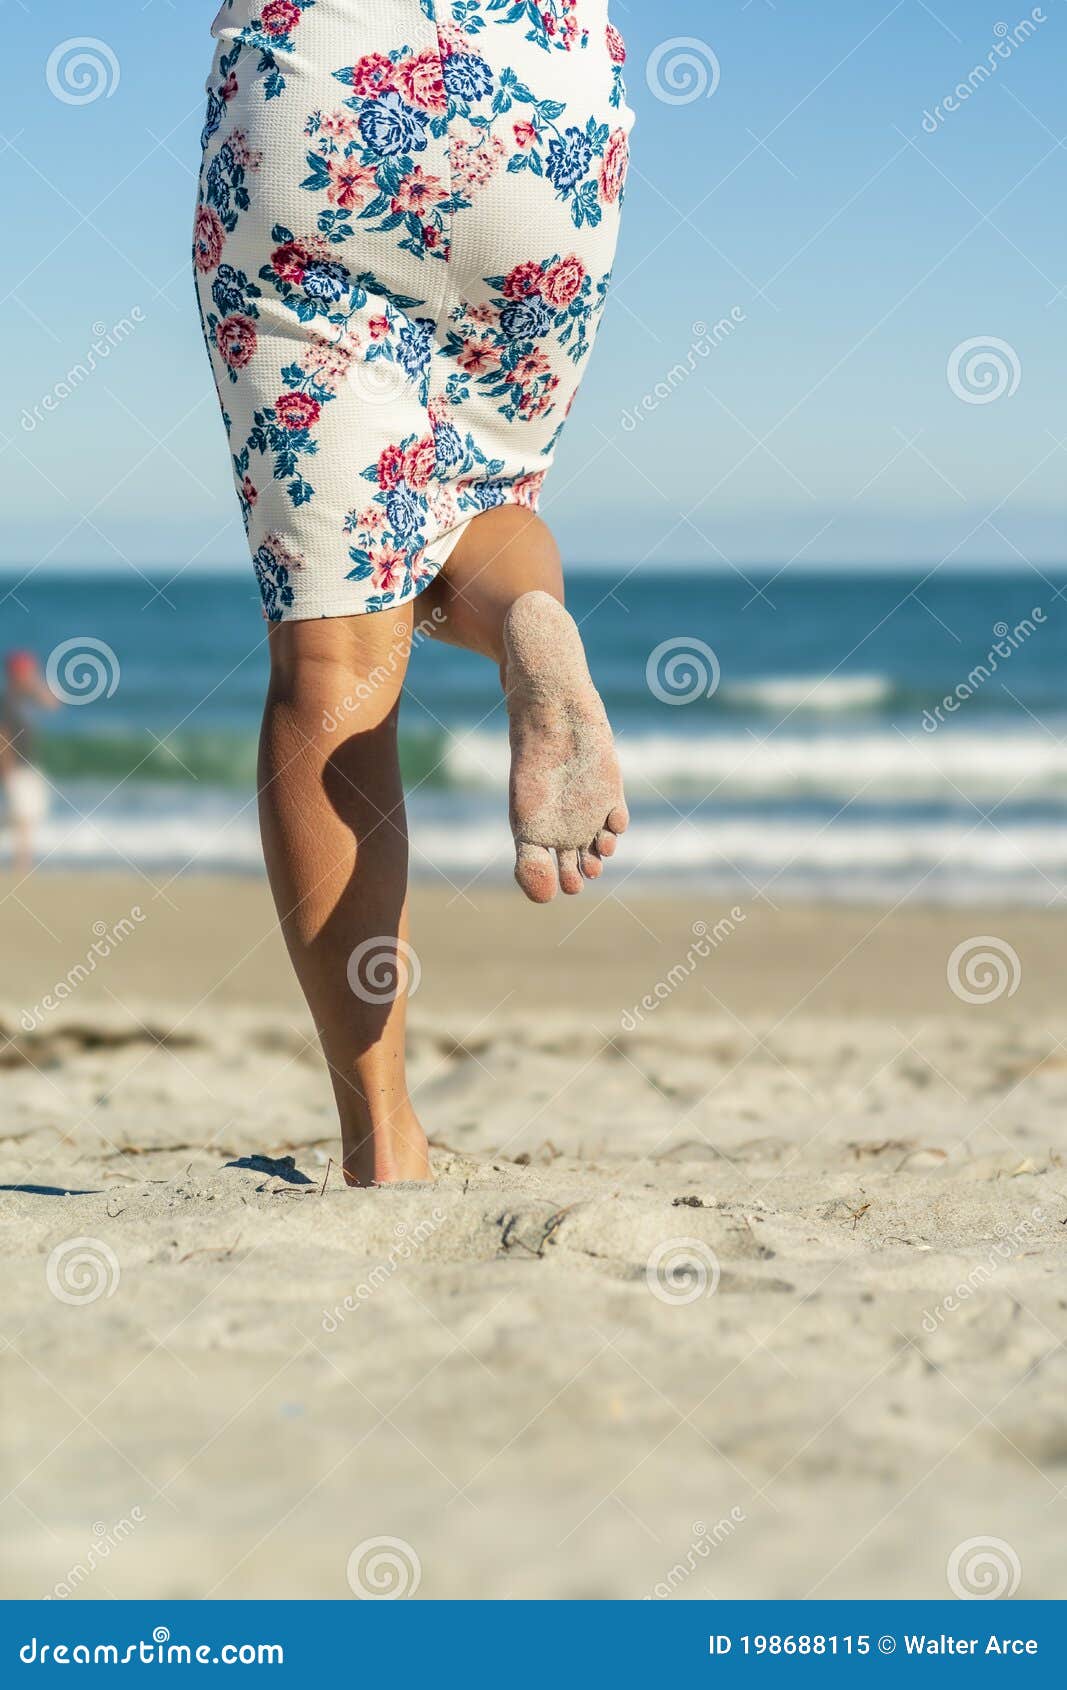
[335, 841]
[501, 594]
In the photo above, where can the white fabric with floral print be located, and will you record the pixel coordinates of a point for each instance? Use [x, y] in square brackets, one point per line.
[405, 229]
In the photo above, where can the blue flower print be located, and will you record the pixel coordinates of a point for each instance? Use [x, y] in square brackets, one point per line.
[466, 77]
[449, 443]
[215, 109]
[228, 290]
[326, 281]
[489, 494]
[569, 158]
[404, 511]
[273, 577]
[414, 351]
[389, 127]
[525, 319]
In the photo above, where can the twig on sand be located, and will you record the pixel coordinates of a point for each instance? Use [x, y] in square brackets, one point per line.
[212, 1250]
[547, 1152]
[325, 1176]
[858, 1214]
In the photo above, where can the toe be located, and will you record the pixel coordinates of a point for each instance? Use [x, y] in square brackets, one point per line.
[535, 871]
[606, 843]
[590, 864]
[619, 817]
[570, 875]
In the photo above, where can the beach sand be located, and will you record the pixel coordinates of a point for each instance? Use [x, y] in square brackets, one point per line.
[758, 1291]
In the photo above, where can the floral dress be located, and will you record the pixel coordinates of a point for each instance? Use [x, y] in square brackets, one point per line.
[405, 228]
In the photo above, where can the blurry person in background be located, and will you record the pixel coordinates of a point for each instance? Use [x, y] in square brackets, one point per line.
[24, 788]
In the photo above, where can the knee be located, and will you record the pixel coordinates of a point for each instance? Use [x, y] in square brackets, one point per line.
[342, 670]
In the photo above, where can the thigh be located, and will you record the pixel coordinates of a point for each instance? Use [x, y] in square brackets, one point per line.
[502, 554]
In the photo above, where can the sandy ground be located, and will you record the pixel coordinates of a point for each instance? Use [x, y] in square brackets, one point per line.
[756, 1292]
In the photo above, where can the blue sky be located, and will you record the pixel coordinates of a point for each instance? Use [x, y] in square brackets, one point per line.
[856, 249]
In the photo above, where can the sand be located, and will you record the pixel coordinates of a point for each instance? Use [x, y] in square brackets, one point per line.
[756, 1292]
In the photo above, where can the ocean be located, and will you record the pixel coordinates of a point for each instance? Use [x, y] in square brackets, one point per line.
[856, 736]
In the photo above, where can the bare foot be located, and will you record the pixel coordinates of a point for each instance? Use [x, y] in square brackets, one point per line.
[567, 805]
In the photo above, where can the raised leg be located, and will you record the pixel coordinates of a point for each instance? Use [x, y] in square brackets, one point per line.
[335, 841]
[501, 594]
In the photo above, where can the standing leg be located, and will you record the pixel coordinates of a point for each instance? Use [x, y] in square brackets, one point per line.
[335, 841]
[21, 848]
[501, 594]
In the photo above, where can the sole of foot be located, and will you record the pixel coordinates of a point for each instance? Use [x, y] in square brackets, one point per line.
[566, 798]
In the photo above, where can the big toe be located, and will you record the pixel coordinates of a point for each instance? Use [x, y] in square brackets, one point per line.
[535, 871]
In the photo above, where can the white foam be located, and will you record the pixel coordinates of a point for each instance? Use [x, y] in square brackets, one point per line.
[949, 765]
[783, 694]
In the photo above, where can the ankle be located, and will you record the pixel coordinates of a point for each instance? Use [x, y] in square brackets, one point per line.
[380, 1152]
